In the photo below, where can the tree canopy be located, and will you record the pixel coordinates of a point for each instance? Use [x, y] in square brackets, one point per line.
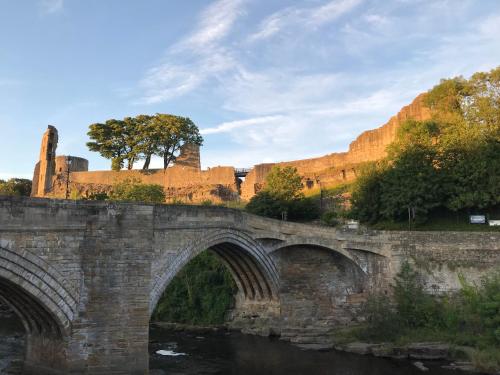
[284, 183]
[16, 186]
[282, 197]
[141, 137]
[451, 161]
[134, 191]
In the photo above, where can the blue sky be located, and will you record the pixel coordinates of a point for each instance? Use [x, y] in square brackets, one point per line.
[265, 80]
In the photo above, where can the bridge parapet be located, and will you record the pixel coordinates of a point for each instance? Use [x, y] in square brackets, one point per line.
[91, 272]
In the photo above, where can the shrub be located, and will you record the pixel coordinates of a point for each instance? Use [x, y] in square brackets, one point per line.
[201, 293]
[135, 191]
[330, 218]
[268, 205]
[303, 209]
[381, 318]
[16, 186]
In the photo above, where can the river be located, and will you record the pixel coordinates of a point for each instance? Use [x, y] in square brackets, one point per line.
[225, 352]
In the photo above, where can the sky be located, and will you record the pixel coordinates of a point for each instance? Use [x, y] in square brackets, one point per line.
[264, 80]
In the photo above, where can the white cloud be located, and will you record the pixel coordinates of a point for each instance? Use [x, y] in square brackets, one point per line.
[196, 58]
[297, 16]
[215, 22]
[229, 126]
[51, 6]
[331, 11]
[283, 109]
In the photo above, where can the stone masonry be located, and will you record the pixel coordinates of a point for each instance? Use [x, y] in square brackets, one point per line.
[84, 277]
[187, 182]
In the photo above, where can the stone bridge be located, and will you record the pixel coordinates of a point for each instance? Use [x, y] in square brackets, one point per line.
[84, 277]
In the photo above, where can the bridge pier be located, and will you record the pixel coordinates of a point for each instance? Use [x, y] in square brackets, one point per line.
[85, 277]
[45, 355]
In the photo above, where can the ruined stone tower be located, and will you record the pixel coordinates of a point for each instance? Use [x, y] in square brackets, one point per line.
[189, 156]
[45, 168]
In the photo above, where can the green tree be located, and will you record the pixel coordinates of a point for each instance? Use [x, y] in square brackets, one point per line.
[145, 144]
[169, 133]
[284, 183]
[115, 140]
[366, 203]
[16, 186]
[282, 196]
[135, 191]
[141, 137]
[411, 183]
[201, 293]
[266, 204]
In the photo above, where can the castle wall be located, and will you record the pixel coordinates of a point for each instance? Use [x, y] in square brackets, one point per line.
[77, 164]
[334, 169]
[180, 183]
[187, 182]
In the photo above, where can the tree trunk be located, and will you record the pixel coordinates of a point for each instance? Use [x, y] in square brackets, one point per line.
[146, 162]
[165, 161]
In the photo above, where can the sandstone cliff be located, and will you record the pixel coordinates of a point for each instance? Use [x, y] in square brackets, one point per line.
[337, 168]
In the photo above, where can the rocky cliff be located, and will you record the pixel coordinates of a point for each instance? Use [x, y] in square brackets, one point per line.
[337, 168]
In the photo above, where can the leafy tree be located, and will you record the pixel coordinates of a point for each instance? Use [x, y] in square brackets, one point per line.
[145, 146]
[452, 161]
[284, 183]
[135, 191]
[169, 133]
[201, 293]
[115, 140]
[141, 137]
[266, 204]
[303, 209]
[366, 203]
[412, 182]
[471, 170]
[16, 186]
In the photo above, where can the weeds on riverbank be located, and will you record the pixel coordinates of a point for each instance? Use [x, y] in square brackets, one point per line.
[469, 318]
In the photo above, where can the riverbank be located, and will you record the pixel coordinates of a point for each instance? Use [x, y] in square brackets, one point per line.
[456, 358]
[420, 354]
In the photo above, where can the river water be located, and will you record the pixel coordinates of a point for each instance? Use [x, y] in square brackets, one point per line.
[225, 352]
[234, 353]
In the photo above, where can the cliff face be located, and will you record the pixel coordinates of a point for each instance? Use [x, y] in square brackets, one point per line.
[336, 168]
[371, 144]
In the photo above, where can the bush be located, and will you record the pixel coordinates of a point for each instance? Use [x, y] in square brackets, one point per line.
[303, 209]
[486, 360]
[265, 204]
[16, 186]
[201, 293]
[97, 197]
[330, 218]
[381, 318]
[135, 191]
[471, 317]
[268, 205]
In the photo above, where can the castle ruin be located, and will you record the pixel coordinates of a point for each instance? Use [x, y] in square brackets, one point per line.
[58, 176]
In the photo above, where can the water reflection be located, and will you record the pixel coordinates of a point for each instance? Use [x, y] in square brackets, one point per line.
[12, 342]
[234, 353]
[227, 353]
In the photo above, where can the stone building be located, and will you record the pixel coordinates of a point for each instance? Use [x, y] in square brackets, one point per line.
[187, 182]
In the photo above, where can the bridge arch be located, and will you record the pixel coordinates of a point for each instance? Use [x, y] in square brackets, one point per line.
[252, 268]
[43, 301]
[37, 291]
[318, 245]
